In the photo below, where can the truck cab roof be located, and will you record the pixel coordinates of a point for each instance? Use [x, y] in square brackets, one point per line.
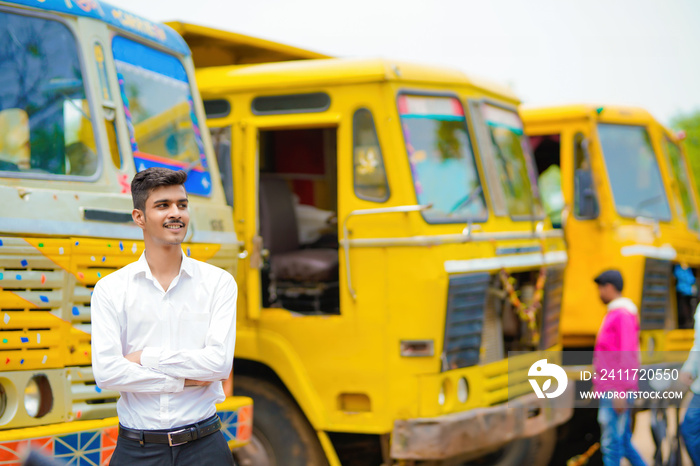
[616, 113]
[336, 71]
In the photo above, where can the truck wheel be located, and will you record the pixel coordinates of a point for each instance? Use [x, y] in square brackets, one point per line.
[531, 451]
[281, 434]
[545, 443]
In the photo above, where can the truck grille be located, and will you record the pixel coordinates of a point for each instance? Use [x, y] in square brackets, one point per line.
[32, 334]
[551, 307]
[45, 316]
[655, 292]
[88, 400]
[464, 321]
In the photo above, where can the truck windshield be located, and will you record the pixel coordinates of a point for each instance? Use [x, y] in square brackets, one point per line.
[633, 171]
[680, 173]
[441, 158]
[160, 113]
[45, 123]
[513, 161]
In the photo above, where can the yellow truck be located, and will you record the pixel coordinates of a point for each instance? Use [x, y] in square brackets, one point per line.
[395, 251]
[90, 95]
[628, 202]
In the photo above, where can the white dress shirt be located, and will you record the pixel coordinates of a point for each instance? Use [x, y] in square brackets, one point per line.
[186, 332]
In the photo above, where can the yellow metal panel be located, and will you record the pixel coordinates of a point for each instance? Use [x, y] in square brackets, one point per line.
[215, 47]
[679, 340]
[10, 299]
[332, 72]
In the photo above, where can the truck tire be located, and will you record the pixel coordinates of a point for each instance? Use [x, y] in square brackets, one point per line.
[530, 451]
[282, 436]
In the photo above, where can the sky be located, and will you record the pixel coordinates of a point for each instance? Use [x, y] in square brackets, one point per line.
[644, 53]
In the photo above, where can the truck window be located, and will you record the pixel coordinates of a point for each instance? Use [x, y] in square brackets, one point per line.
[441, 159]
[585, 205]
[291, 103]
[547, 150]
[221, 139]
[514, 162]
[160, 113]
[217, 108]
[368, 164]
[633, 171]
[679, 169]
[45, 125]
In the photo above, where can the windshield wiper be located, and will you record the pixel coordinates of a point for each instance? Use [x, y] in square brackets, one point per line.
[465, 201]
[191, 166]
[76, 106]
[651, 200]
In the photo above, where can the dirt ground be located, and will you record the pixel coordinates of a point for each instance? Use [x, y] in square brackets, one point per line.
[584, 432]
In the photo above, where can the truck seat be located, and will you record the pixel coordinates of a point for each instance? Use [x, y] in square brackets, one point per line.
[278, 227]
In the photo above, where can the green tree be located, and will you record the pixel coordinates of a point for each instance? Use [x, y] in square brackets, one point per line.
[690, 123]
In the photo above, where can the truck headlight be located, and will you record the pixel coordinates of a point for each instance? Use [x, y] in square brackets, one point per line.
[442, 396]
[651, 344]
[462, 390]
[446, 395]
[38, 398]
[3, 400]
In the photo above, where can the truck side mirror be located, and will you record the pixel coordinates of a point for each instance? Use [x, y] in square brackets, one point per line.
[585, 200]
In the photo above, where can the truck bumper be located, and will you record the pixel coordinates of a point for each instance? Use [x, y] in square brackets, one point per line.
[94, 441]
[481, 430]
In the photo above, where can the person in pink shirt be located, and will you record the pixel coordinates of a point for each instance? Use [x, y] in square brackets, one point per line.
[615, 356]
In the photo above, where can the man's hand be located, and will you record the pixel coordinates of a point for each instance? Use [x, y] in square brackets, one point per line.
[134, 357]
[196, 383]
[687, 379]
[619, 405]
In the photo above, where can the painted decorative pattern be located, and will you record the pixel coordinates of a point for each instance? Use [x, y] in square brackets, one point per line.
[237, 426]
[45, 290]
[88, 448]
[95, 447]
[32, 294]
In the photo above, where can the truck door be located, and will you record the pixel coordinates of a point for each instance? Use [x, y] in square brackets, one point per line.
[285, 208]
[245, 188]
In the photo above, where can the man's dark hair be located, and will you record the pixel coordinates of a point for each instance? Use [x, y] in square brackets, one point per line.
[613, 277]
[146, 181]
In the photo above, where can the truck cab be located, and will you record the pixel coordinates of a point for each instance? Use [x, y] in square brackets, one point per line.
[90, 95]
[395, 252]
[628, 202]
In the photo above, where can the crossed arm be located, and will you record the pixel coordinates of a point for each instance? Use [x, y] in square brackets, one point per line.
[157, 370]
[209, 364]
[135, 357]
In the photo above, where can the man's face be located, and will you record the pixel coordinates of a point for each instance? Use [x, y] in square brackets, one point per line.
[607, 293]
[166, 216]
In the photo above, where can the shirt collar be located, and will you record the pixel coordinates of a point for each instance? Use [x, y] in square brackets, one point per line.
[187, 265]
[142, 266]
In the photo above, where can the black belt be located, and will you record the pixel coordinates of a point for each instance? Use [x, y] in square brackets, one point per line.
[174, 437]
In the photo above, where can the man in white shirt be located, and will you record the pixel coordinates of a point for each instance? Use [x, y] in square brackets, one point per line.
[163, 334]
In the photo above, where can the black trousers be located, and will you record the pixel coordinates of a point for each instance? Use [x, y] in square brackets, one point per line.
[686, 310]
[211, 450]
